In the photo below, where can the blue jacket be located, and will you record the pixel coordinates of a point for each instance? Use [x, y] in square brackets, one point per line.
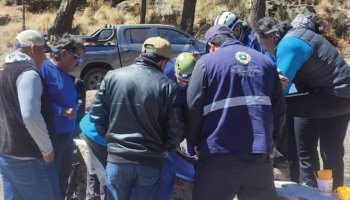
[235, 102]
[62, 93]
[169, 70]
[313, 64]
[253, 43]
[89, 130]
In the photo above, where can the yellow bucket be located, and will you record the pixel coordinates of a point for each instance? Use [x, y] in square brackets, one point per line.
[343, 193]
[325, 174]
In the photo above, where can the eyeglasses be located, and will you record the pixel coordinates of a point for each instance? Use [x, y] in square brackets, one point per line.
[76, 57]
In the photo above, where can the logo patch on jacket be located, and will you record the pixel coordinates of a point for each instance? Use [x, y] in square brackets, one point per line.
[243, 57]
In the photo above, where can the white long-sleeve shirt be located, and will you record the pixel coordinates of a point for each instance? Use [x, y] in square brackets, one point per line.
[29, 88]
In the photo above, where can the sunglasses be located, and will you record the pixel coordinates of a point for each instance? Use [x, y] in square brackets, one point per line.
[76, 57]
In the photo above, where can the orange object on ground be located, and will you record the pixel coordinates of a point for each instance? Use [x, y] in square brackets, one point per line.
[325, 174]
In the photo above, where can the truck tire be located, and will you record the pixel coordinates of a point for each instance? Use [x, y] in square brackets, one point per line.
[94, 77]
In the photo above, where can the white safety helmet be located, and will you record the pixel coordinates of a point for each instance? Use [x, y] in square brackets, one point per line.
[226, 18]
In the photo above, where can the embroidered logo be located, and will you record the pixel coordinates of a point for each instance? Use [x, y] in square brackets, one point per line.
[243, 57]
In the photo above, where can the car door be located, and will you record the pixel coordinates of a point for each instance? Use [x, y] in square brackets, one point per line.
[132, 44]
[180, 42]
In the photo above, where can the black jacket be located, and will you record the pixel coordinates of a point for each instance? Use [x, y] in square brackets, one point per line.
[139, 110]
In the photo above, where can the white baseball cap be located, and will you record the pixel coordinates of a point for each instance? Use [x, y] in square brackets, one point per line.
[29, 38]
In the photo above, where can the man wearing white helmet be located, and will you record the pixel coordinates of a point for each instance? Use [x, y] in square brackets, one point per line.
[240, 28]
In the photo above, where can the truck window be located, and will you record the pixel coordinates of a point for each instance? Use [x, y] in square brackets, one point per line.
[105, 35]
[137, 36]
[174, 37]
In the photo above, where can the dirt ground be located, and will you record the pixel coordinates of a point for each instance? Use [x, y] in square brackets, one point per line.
[346, 160]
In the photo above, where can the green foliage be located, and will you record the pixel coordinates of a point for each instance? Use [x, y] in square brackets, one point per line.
[4, 19]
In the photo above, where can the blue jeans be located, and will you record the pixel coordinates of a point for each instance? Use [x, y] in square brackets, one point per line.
[124, 178]
[174, 166]
[29, 179]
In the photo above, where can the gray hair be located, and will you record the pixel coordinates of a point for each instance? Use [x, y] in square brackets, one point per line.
[268, 25]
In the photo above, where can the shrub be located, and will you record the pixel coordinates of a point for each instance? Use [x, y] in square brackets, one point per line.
[4, 19]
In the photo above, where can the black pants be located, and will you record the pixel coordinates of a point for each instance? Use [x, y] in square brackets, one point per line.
[320, 116]
[287, 147]
[249, 176]
[317, 106]
[330, 133]
[96, 167]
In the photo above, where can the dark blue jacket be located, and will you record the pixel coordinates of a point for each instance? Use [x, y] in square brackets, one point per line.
[235, 102]
[169, 70]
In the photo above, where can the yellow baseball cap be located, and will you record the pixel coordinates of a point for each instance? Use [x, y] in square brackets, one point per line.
[158, 46]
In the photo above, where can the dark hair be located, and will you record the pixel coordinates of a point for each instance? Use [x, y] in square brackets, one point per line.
[68, 42]
[268, 25]
[153, 57]
[218, 40]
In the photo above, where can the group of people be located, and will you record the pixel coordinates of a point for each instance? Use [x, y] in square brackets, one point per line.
[39, 106]
[215, 119]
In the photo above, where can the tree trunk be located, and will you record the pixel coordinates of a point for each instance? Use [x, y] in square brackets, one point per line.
[258, 10]
[23, 16]
[143, 11]
[64, 18]
[187, 17]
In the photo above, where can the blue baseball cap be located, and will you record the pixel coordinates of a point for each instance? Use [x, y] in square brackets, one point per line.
[217, 30]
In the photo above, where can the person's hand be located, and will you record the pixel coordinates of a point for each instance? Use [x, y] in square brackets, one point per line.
[49, 157]
[195, 148]
[284, 80]
[196, 55]
[69, 113]
[195, 157]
